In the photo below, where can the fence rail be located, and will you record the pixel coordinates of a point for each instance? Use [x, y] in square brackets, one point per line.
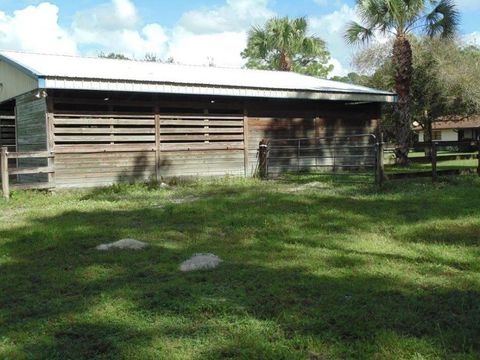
[452, 151]
[7, 171]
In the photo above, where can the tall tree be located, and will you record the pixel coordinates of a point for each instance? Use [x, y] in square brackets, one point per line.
[445, 81]
[284, 44]
[436, 18]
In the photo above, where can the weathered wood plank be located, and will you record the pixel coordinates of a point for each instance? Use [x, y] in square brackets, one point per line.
[83, 130]
[100, 148]
[31, 134]
[103, 121]
[210, 117]
[30, 155]
[200, 122]
[99, 138]
[245, 142]
[200, 137]
[4, 172]
[103, 115]
[201, 130]
[202, 146]
[32, 186]
[31, 170]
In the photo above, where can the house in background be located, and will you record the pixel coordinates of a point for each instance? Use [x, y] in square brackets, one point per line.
[109, 120]
[453, 129]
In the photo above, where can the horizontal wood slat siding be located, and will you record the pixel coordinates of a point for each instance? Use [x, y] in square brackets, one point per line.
[198, 123]
[103, 139]
[102, 169]
[31, 134]
[98, 150]
[177, 132]
[7, 134]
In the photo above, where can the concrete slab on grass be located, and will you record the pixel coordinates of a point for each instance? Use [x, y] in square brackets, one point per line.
[200, 262]
[124, 244]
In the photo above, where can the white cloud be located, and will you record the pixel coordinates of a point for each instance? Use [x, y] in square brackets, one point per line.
[472, 38]
[35, 29]
[338, 68]
[203, 35]
[113, 27]
[222, 48]
[112, 16]
[217, 34]
[331, 27]
[235, 15]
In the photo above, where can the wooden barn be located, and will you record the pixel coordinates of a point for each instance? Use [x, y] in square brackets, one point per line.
[103, 121]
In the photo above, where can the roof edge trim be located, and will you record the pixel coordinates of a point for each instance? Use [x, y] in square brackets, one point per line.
[209, 90]
[24, 69]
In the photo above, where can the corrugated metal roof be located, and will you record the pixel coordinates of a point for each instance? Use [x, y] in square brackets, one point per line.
[109, 70]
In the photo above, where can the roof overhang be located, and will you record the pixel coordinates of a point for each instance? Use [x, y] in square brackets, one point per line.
[209, 90]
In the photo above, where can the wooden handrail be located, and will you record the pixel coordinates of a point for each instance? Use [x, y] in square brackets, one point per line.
[30, 155]
[5, 155]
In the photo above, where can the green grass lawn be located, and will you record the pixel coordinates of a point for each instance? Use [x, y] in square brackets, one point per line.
[313, 269]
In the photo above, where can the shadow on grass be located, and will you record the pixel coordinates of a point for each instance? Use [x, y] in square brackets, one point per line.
[59, 298]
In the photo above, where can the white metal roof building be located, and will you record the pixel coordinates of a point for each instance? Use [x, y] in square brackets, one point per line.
[24, 72]
[105, 121]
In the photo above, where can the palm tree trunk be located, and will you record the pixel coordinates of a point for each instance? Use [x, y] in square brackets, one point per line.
[402, 62]
[285, 62]
[427, 135]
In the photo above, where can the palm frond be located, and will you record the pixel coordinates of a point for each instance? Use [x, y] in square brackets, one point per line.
[373, 12]
[443, 20]
[358, 34]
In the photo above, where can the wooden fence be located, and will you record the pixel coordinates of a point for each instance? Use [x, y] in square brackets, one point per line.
[471, 151]
[435, 146]
[7, 171]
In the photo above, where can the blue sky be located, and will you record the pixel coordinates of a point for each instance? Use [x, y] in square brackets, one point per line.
[190, 31]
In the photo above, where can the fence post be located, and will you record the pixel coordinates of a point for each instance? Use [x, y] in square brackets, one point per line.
[262, 159]
[380, 170]
[298, 155]
[433, 156]
[478, 157]
[4, 171]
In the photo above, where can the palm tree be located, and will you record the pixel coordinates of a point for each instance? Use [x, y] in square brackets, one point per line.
[436, 18]
[283, 44]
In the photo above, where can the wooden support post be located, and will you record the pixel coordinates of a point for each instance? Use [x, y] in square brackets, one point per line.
[206, 127]
[478, 157]
[51, 146]
[298, 156]
[4, 172]
[380, 168]
[245, 142]
[262, 159]
[157, 145]
[433, 156]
